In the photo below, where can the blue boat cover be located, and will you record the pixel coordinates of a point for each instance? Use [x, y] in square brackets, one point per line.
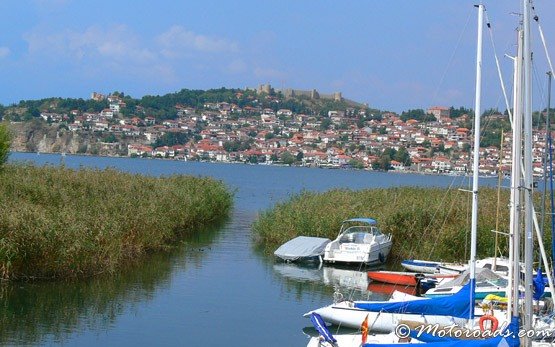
[507, 339]
[539, 285]
[456, 305]
[370, 221]
[319, 324]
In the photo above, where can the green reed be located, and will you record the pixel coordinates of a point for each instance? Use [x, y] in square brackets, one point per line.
[58, 223]
[426, 223]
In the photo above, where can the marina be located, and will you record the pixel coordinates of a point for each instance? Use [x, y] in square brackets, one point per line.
[220, 276]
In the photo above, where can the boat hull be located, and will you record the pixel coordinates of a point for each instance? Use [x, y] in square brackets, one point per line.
[392, 277]
[376, 255]
[421, 266]
[345, 315]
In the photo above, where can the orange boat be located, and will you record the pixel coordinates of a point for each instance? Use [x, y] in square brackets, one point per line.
[402, 278]
[395, 277]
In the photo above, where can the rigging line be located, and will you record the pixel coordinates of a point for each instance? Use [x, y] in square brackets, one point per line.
[537, 20]
[419, 237]
[446, 217]
[500, 75]
[540, 86]
[439, 207]
[443, 224]
[452, 57]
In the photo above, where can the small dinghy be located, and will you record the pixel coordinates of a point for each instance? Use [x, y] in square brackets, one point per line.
[396, 277]
[302, 249]
[421, 266]
[403, 278]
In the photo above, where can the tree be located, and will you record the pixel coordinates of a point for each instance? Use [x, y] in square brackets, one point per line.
[402, 156]
[356, 164]
[287, 158]
[326, 123]
[5, 142]
[172, 139]
[300, 156]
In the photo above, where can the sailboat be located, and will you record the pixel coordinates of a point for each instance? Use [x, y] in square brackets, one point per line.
[456, 309]
[521, 181]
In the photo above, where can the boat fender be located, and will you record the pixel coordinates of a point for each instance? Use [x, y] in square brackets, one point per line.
[492, 319]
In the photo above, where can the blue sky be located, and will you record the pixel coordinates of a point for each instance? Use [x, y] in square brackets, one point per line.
[393, 54]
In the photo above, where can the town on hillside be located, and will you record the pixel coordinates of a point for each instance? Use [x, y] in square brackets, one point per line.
[288, 127]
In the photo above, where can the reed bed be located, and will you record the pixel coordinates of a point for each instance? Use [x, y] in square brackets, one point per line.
[426, 223]
[62, 223]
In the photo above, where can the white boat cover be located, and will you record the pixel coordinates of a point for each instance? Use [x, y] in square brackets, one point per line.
[482, 274]
[302, 247]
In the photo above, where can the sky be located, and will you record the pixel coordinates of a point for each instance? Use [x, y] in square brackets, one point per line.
[394, 55]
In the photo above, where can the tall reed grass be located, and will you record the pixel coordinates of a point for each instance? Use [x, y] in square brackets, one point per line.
[58, 223]
[426, 223]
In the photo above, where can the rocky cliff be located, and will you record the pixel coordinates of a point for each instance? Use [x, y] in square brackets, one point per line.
[51, 138]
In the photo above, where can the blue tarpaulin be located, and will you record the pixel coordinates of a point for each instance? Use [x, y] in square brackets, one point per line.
[456, 305]
[539, 285]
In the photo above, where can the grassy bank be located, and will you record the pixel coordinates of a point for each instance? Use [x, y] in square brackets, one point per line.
[426, 223]
[59, 223]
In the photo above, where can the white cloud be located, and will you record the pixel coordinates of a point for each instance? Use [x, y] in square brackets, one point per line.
[118, 51]
[236, 66]
[179, 40]
[4, 52]
[268, 73]
[116, 44]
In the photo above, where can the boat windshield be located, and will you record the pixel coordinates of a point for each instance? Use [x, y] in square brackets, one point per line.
[359, 234]
[362, 229]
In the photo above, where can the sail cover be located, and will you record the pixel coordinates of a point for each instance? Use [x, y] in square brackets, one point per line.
[302, 247]
[456, 305]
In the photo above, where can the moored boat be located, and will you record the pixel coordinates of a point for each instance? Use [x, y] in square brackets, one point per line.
[395, 277]
[403, 278]
[359, 241]
[302, 249]
[421, 266]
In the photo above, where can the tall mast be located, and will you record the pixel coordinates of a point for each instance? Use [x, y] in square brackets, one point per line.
[476, 163]
[549, 149]
[514, 244]
[528, 180]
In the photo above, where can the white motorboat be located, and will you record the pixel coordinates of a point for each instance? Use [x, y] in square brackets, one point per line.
[359, 241]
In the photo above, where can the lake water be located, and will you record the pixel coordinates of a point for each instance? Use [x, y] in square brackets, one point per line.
[213, 290]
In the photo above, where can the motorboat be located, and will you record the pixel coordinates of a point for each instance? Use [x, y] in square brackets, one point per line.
[359, 241]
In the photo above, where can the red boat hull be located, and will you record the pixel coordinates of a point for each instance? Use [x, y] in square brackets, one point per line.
[391, 277]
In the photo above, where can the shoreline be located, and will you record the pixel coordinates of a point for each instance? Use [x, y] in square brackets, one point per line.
[402, 172]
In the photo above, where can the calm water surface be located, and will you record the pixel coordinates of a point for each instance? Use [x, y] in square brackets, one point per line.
[211, 290]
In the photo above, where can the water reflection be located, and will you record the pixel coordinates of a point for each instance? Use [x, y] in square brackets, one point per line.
[33, 313]
[351, 283]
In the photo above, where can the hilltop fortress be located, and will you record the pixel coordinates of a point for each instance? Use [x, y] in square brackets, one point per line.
[289, 93]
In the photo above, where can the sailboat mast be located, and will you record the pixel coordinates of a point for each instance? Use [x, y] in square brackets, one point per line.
[476, 163]
[515, 218]
[528, 180]
[549, 148]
